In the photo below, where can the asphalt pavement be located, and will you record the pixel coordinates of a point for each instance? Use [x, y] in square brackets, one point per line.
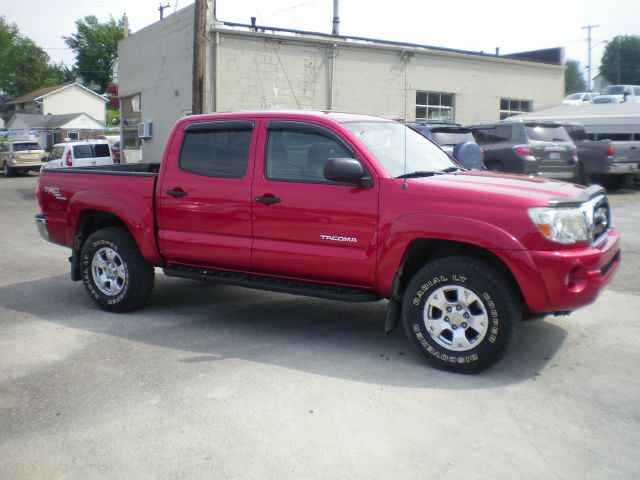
[222, 382]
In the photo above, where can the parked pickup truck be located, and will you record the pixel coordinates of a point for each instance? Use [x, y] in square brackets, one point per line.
[337, 206]
[598, 162]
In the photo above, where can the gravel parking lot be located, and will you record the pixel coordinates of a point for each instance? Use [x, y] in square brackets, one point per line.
[223, 382]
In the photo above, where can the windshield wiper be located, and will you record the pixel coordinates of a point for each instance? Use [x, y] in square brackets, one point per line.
[419, 173]
[429, 173]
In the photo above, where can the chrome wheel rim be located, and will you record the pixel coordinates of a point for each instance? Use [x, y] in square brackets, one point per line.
[108, 272]
[455, 318]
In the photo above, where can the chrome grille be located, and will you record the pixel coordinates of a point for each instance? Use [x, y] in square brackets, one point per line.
[601, 219]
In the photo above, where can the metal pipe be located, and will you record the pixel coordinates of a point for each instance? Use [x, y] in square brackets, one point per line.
[336, 18]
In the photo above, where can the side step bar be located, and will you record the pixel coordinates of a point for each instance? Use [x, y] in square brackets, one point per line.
[293, 287]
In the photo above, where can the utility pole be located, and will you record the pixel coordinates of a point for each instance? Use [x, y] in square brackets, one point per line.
[589, 27]
[199, 32]
[161, 9]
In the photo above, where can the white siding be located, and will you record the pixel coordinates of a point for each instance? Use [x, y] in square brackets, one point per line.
[157, 63]
[74, 99]
[258, 73]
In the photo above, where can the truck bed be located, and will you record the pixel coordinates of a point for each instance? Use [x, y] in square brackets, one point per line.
[136, 169]
[65, 194]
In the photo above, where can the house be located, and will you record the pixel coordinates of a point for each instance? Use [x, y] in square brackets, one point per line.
[61, 99]
[48, 130]
[254, 67]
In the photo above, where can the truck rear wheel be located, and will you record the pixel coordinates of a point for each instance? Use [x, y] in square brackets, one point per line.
[460, 313]
[114, 272]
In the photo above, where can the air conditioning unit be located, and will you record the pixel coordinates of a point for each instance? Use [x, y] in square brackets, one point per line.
[145, 130]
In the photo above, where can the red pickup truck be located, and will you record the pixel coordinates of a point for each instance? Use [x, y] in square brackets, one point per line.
[337, 206]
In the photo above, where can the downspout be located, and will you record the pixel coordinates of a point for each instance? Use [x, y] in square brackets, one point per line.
[334, 54]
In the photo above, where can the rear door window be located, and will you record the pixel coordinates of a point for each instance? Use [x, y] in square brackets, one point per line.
[101, 150]
[82, 151]
[218, 152]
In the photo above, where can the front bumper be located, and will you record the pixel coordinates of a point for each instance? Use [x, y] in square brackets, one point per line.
[574, 278]
[41, 225]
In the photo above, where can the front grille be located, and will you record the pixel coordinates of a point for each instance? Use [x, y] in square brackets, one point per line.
[601, 219]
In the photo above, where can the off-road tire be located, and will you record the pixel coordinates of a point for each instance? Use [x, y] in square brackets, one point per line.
[114, 272]
[460, 313]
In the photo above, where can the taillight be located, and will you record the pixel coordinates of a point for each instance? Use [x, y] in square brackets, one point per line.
[611, 151]
[67, 160]
[523, 150]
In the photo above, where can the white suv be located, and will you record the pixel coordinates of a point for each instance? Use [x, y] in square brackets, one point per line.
[80, 154]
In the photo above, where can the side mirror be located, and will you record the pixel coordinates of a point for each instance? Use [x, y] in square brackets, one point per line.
[346, 170]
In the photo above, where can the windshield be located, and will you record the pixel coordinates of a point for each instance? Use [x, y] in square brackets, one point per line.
[387, 140]
[22, 147]
[574, 96]
[614, 90]
[547, 133]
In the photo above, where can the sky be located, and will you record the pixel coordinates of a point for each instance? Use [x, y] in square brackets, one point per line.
[513, 26]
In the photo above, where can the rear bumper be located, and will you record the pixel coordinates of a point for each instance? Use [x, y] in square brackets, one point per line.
[29, 165]
[570, 278]
[41, 225]
[558, 174]
[622, 168]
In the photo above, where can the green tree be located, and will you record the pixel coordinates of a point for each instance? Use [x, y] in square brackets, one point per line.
[24, 66]
[621, 60]
[573, 80]
[96, 47]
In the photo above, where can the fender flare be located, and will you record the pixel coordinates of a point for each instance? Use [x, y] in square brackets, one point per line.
[132, 211]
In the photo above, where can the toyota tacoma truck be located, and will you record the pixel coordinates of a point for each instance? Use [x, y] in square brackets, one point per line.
[337, 206]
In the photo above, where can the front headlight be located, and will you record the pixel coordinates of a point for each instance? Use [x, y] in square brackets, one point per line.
[564, 225]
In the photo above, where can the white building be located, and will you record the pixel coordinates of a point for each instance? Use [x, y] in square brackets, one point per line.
[62, 99]
[251, 67]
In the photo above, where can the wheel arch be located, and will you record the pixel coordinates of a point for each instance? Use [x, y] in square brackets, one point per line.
[424, 250]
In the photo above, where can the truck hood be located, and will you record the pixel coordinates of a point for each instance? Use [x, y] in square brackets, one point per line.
[481, 187]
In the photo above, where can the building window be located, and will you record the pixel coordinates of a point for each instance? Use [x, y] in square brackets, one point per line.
[510, 106]
[435, 107]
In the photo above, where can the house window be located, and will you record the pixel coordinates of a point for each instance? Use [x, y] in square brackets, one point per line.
[510, 106]
[435, 107]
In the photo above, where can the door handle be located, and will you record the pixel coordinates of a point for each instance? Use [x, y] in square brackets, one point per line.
[267, 199]
[177, 193]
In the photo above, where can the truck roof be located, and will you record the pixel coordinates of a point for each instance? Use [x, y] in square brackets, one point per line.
[340, 117]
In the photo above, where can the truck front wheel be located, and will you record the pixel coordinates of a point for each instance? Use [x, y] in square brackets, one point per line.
[114, 273]
[460, 313]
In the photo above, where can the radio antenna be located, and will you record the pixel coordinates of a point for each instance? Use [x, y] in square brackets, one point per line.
[404, 57]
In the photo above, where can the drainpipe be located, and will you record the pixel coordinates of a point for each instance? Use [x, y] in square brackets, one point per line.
[334, 54]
